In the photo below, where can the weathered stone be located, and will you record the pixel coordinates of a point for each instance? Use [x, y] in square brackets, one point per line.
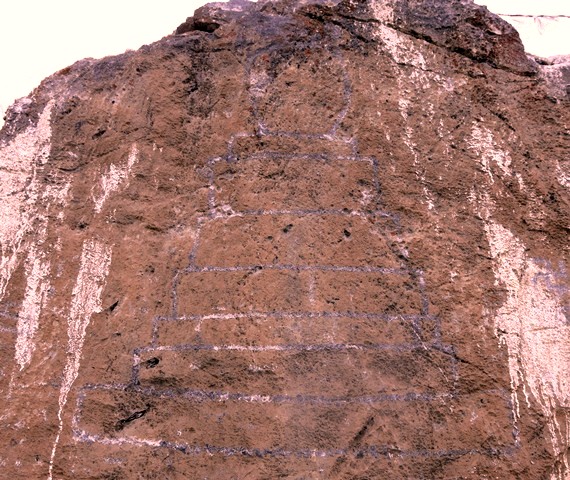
[294, 239]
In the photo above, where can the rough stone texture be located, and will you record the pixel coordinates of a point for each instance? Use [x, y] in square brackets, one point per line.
[298, 240]
[556, 70]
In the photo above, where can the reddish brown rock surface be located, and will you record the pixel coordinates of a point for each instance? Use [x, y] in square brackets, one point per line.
[292, 240]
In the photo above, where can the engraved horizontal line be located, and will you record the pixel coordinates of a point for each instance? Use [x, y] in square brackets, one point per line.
[267, 133]
[203, 395]
[328, 136]
[372, 451]
[403, 347]
[4, 329]
[332, 315]
[550, 17]
[302, 212]
[505, 394]
[324, 157]
[299, 268]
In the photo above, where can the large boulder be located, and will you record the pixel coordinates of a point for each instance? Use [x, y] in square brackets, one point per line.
[293, 239]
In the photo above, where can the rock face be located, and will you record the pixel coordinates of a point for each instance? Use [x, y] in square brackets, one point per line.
[300, 240]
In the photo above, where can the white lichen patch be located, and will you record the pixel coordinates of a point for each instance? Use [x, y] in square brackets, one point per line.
[85, 301]
[115, 178]
[532, 325]
[489, 153]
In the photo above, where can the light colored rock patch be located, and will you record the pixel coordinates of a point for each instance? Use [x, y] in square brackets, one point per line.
[85, 301]
[483, 142]
[19, 160]
[557, 76]
[404, 105]
[405, 50]
[401, 47]
[563, 176]
[24, 203]
[115, 178]
[532, 324]
[383, 10]
[38, 269]
[37, 272]
[420, 77]
[258, 83]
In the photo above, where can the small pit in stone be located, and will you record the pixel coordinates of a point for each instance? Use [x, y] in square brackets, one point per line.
[152, 362]
[131, 418]
[113, 306]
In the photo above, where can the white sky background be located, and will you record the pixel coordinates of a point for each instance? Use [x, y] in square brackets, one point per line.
[40, 37]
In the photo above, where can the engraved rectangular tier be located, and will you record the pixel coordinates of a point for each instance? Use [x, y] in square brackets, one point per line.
[294, 240]
[265, 428]
[208, 292]
[117, 461]
[296, 183]
[258, 328]
[291, 370]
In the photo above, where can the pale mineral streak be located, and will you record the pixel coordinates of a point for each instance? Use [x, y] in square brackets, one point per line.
[531, 322]
[37, 272]
[483, 142]
[25, 204]
[19, 160]
[38, 268]
[532, 325]
[24, 201]
[116, 177]
[85, 301]
[383, 11]
[564, 175]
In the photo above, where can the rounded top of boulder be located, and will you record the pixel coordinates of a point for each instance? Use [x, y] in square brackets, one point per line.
[460, 26]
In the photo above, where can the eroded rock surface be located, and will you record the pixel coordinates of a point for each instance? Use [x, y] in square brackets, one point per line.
[305, 240]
